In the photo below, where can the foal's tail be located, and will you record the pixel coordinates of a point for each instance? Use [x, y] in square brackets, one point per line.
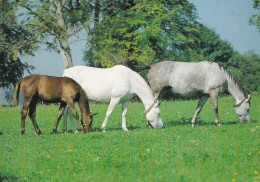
[16, 93]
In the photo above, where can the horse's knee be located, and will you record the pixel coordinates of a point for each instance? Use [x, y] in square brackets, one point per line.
[23, 131]
[23, 113]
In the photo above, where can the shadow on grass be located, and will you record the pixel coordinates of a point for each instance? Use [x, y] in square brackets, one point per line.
[8, 178]
[130, 128]
[199, 122]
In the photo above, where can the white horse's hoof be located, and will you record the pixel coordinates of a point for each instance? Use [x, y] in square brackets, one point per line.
[192, 125]
[125, 129]
[76, 132]
[103, 129]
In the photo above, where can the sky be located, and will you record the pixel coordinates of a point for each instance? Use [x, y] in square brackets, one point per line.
[229, 18]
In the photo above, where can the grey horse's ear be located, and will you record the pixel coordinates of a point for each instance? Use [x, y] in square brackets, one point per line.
[157, 101]
[249, 97]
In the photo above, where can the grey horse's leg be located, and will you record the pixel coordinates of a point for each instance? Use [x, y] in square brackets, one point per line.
[214, 100]
[200, 105]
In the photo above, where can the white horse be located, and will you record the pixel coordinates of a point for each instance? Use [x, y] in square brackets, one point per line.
[116, 84]
[205, 77]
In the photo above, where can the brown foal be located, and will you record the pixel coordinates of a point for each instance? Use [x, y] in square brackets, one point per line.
[52, 90]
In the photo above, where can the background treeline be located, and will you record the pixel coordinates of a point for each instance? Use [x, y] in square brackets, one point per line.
[135, 33]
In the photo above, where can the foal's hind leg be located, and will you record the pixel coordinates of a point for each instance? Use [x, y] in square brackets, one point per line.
[214, 100]
[61, 110]
[32, 110]
[23, 114]
[200, 105]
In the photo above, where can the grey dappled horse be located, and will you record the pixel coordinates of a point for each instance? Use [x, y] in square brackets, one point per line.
[204, 77]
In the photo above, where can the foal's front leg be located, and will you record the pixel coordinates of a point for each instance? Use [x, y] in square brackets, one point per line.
[61, 110]
[32, 116]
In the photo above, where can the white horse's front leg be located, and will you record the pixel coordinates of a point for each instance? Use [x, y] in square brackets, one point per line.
[124, 111]
[111, 107]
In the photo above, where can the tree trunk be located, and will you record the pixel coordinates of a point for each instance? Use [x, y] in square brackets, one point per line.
[63, 38]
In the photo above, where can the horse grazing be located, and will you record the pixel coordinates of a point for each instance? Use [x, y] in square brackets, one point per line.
[52, 89]
[205, 77]
[116, 84]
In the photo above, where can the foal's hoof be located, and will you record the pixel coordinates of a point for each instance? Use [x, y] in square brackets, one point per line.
[39, 132]
[54, 132]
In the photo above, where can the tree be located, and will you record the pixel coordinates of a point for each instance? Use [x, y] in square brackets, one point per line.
[255, 19]
[210, 47]
[54, 22]
[14, 41]
[139, 32]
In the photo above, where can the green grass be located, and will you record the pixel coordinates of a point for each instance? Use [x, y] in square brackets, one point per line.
[176, 153]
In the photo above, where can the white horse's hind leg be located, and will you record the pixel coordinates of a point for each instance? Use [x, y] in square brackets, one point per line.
[200, 105]
[124, 111]
[65, 116]
[111, 107]
[214, 100]
[73, 127]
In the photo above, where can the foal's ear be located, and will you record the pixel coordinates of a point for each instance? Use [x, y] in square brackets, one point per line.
[93, 114]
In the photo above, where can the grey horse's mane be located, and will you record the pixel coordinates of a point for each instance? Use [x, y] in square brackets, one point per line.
[231, 77]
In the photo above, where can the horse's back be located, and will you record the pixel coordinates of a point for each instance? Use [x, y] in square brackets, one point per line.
[186, 77]
[48, 87]
[101, 83]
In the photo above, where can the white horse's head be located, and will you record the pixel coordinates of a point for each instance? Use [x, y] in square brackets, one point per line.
[242, 110]
[153, 115]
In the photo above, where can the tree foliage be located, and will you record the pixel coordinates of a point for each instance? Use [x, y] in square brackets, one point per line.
[255, 19]
[15, 41]
[142, 32]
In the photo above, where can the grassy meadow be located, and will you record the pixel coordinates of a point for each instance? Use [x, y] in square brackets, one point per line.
[175, 153]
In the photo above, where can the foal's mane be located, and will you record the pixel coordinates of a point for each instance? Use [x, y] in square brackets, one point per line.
[231, 77]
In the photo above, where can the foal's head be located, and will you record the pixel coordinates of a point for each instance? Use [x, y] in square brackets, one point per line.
[242, 110]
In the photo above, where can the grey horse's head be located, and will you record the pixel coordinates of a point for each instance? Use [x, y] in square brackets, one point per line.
[242, 110]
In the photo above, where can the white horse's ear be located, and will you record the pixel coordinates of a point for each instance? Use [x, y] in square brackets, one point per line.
[157, 102]
[249, 97]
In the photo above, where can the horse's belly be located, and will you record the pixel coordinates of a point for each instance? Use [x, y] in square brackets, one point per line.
[103, 95]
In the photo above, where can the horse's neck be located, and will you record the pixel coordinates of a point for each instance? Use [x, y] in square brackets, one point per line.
[143, 91]
[83, 102]
[235, 90]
